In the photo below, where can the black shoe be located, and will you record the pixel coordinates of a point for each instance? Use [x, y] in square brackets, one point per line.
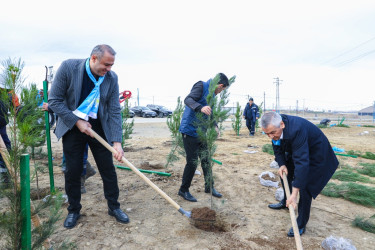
[214, 192]
[291, 233]
[187, 196]
[279, 205]
[71, 220]
[119, 215]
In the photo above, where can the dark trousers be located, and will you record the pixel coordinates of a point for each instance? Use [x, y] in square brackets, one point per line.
[250, 124]
[194, 149]
[305, 198]
[4, 135]
[74, 143]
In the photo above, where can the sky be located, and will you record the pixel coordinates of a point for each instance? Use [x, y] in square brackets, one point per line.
[323, 51]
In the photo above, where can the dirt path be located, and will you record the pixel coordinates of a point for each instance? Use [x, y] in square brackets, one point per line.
[249, 224]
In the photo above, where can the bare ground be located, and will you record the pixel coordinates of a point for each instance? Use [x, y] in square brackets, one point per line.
[243, 211]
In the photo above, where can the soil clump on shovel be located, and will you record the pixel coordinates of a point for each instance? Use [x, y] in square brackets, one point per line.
[205, 219]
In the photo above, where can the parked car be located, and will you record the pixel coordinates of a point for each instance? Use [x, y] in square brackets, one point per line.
[131, 112]
[161, 111]
[143, 111]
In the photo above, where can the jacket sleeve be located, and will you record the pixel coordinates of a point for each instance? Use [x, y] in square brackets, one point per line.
[56, 98]
[114, 116]
[194, 96]
[257, 112]
[245, 110]
[279, 155]
[301, 158]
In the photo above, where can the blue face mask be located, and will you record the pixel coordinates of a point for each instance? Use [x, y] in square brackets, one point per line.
[277, 143]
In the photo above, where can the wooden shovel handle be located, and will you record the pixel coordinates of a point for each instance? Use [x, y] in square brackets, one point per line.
[135, 170]
[297, 237]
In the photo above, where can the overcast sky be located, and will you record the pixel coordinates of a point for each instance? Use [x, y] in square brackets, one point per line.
[324, 51]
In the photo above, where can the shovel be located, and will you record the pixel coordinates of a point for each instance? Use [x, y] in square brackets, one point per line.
[135, 170]
[297, 237]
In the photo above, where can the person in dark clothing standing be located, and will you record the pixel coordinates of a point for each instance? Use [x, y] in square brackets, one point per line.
[84, 95]
[4, 176]
[251, 114]
[305, 155]
[196, 102]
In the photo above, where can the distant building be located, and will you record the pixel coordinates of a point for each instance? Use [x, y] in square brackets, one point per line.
[367, 111]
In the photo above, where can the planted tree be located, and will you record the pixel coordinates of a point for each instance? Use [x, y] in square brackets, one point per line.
[127, 127]
[173, 123]
[23, 127]
[260, 107]
[207, 126]
[237, 120]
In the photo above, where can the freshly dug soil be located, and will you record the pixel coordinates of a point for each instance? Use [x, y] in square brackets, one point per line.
[207, 220]
[148, 166]
[43, 192]
[268, 178]
[203, 213]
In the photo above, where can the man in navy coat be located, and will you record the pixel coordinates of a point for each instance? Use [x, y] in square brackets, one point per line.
[251, 114]
[304, 153]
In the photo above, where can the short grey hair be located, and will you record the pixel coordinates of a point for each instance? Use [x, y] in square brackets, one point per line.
[100, 49]
[271, 118]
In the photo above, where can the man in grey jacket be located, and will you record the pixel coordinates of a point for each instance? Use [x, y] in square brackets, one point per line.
[84, 95]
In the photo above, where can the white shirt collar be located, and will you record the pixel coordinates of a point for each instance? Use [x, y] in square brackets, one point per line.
[282, 135]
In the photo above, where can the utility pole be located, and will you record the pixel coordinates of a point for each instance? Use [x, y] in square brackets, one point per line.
[138, 96]
[297, 108]
[264, 102]
[277, 82]
[303, 107]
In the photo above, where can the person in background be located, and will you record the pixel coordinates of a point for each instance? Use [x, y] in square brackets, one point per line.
[251, 114]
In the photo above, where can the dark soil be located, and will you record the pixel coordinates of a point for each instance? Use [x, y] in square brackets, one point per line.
[147, 166]
[206, 219]
[203, 213]
[268, 178]
[43, 192]
[131, 149]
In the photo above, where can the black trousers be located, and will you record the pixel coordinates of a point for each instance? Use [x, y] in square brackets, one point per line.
[74, 143]
[250, 124]
[194, 149]
[305, 198]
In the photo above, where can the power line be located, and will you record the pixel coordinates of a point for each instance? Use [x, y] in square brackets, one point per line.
[355, 58]
[350, 50]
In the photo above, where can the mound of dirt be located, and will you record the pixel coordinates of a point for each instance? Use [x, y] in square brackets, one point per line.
[150, 166]
[203, 213]
[268, 178]
[206, 219]
[132, 149]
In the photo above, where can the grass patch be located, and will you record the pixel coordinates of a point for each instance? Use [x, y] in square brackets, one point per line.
[343, 126]
[365, 224]
[368, 169]
[267, 148]
[353, 192]
[368, 126]
[349, 175]
[367, 155]
[321, 126]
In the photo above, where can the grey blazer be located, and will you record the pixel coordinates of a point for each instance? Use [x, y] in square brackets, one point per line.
[65, 94]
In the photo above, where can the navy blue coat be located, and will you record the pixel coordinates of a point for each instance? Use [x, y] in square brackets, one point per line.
[312, 154]
[251, 113]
